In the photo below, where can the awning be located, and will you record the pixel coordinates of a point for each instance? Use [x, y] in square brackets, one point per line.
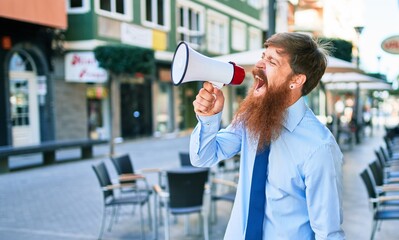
[355, 77]
[352, 80]
[49, 13]
[364, 85]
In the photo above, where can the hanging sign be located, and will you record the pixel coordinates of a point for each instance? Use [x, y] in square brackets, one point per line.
[391, 45]
[83, 67]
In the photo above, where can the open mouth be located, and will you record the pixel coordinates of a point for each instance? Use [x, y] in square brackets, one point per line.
[261, 82]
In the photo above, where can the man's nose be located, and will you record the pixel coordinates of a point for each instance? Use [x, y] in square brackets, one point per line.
[261, 64]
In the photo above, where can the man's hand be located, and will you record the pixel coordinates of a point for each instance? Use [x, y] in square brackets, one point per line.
[209, 100]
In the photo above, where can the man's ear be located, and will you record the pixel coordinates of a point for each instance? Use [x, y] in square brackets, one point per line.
[299, 80]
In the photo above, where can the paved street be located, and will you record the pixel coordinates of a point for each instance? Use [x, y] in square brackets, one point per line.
[63, 201]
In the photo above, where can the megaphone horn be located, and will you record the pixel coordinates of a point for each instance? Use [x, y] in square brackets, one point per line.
[189, 65]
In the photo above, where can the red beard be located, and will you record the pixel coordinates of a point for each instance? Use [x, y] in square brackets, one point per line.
[263, 116]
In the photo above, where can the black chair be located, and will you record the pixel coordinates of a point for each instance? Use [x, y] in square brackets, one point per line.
[112, 200]
[185, 194]
[391, 162]
[377, 172]
[378, 202]
[390, 168]
[391, 146]
[184, 158]
[127, 174]
[381, 177]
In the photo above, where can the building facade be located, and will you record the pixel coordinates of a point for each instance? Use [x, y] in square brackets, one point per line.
[29, 38]
[148, 104]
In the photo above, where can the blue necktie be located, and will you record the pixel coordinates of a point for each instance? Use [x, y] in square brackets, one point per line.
[258, 197]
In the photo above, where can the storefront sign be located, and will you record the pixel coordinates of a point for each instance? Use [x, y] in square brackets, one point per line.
[391, 45]
[136, 35]
[83, 67]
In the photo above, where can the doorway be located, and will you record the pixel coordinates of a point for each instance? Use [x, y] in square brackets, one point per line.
[24, 108]
[136, 120]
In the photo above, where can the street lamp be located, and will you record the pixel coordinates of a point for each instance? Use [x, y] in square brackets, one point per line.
[379, 64]
[359, 30]
[358, 111]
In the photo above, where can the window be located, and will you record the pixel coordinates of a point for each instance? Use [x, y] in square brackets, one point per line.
[255, 38]
[156, 13]
[19, 98]
[190, 23]
[239, 31]
[78, 6]
[218, 32]
[256, 3]
[75, 3]
[118, 9]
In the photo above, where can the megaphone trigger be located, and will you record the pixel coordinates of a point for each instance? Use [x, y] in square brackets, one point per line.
[218, 85]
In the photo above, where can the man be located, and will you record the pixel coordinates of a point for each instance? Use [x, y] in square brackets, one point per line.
[303, 185]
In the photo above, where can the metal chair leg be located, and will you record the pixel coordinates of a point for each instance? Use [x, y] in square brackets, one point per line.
[166, 223]
[102, 225]
[187, 225]
[375, 223]
[117, 214]
[112, 219]
[206, 227]
[155, 221]
[142, 223]
[149, 214]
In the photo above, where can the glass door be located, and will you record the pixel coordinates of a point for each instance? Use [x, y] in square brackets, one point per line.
[24, 108]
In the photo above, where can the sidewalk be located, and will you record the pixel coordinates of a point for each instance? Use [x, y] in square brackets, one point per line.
[63, 201]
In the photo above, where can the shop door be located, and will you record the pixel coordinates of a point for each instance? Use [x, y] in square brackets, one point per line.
[136, 110]
[24, 108]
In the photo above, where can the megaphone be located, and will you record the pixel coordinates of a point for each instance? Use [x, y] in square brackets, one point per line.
[189, 65]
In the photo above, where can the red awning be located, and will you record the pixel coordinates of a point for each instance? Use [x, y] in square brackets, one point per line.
[51, 13]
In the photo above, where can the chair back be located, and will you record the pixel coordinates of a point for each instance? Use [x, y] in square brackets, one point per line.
[103, 178]
[186, 187]
[388, 143]
[370, 186]
[384, 154]
[123, 164]
[377, 172]
[378, 153]
[185, 159]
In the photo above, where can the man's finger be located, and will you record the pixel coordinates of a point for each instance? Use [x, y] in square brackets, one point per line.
[208, 86]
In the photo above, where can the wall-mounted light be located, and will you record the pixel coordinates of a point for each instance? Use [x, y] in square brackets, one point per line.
[57, 42]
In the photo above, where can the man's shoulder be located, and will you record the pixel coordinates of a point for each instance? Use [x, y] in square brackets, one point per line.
[314, 128]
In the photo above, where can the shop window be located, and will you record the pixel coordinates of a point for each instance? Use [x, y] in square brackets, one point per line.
[96, 96]
[156, 14]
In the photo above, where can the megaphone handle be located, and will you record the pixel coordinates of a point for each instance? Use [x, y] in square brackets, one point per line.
[218, 85]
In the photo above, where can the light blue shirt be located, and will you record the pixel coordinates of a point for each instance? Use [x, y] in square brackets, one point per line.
[304, 185]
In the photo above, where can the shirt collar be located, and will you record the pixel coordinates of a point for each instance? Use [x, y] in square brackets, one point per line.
[295, 114]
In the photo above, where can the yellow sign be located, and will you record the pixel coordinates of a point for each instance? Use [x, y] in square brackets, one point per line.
[159, 40]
